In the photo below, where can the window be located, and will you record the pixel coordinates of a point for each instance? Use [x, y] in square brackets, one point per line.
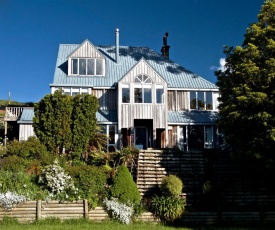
[201, 100]
[142, 89]
[111, 131]
[87, 66]
[159, 94]
[125, 93]
[75, 91]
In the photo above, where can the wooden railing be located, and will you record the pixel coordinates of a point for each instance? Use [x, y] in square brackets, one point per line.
[12, 113]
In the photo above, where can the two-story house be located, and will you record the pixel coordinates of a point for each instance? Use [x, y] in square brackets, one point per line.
[146, 100]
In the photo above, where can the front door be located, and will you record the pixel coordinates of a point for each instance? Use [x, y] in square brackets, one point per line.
[141, 137]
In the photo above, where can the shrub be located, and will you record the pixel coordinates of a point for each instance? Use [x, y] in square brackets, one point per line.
[32, 148]
[91, 182]
[21, 183]
[10, 199]
[59, 185]
[124, 188]
[119, 211]
[168, 208]
[14, 163]
[171, 186]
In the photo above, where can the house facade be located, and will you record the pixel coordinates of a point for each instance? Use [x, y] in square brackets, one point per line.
[145, 99]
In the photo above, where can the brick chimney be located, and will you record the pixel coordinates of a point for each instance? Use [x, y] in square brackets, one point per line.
[165, 48]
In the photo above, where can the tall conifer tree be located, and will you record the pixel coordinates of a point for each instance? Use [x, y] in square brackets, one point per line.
[247, 87]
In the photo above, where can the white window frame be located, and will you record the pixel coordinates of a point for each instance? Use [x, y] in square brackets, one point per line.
[142, 81]
[95, 67]
[162, 97]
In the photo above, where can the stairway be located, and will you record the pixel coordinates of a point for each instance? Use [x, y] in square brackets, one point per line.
[153, 165]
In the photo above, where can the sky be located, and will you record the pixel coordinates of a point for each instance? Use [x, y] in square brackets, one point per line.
[31, 31]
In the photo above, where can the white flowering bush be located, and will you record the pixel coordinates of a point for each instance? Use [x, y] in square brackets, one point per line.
[58, 183]
[119, 211]
[9, 200]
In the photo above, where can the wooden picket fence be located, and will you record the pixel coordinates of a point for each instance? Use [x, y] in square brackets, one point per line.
[36, 210]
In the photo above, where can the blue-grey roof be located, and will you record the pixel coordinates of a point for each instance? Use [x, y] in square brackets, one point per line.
[106, 116]
[191, 117]
[26, 116]
[175, 75]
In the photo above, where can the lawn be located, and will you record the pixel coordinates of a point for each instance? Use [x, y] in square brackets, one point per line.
[55, 224]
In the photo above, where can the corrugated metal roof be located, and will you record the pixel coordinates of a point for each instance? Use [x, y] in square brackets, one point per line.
[191, 117]
[26, 116]
[176, 75]
[106, 116]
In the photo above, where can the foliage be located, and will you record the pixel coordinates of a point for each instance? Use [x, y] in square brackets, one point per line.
[247, 88]
[59, 185]
[124, 188]
[14, 163]
[91, 182]
[168, 208]
[65, 122]
[171, 186]
[98, 140]
[52, 121]
[9, 200]
[30, 149]
[119, 211]
[21, 183]
[83, 122]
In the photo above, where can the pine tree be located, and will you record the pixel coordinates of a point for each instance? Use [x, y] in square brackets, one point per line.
[247, 87]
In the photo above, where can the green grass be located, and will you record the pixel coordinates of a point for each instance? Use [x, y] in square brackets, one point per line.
[81, 224]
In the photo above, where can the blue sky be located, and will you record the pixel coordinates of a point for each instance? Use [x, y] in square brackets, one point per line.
[31, 31]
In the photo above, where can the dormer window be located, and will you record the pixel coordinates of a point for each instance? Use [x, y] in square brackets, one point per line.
[87, 66]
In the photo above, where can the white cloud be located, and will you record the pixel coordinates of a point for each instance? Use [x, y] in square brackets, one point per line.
[221, 67]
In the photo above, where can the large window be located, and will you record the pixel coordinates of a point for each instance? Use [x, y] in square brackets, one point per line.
[143, 89]
[87, 66]
[201, 100]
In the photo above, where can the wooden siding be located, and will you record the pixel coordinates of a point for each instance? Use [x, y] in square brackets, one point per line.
[143, 111]
[129, 112]
[25, 131]
[142, 68]
[107, 98]
[177, 100]
[86, 50]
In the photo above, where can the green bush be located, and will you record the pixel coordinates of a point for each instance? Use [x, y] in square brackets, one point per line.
[14, 163]
[20, 183]
[123, 187]
[31, 149]
[168, 208]
[171, 186]
[91, 182]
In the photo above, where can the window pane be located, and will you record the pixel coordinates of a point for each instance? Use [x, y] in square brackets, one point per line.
[91, 66]
[160, 95]
[82, 66]
[99, 67]
[209, 103]
[74, 66]
[208, 136]
[138, 95]
[125, 95]
[112, 132]
[147, 95]
[201, 101]
[193, 100]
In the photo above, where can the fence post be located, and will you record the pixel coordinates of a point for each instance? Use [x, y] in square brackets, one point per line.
[38, 209]
[86, 209]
